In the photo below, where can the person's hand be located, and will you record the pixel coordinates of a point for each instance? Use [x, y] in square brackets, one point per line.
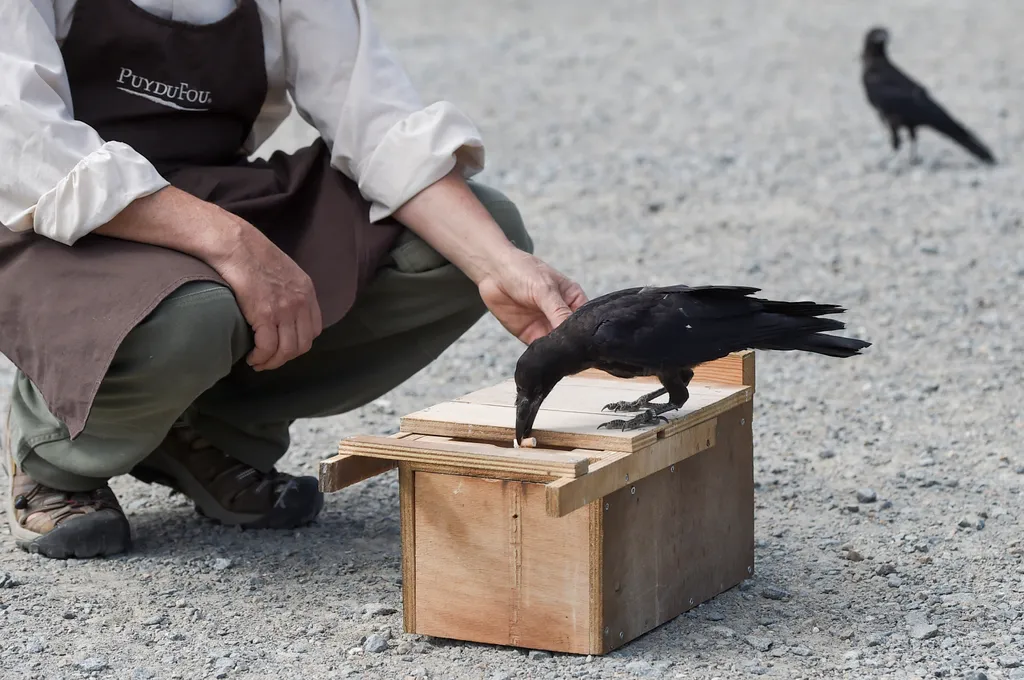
[275, 296]
[528, 297]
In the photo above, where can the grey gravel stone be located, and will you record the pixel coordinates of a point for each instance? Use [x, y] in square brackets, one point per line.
[7, 580]
[1008, 661]
[375, 644]
[714, 616]
[154, 620]
[377, 609]
[221, 563]
[775, 594]
[143, 674]
[923, 631]
[761, 644]
[538, 655]
[866, 495]
[852, 556]
[92, 664]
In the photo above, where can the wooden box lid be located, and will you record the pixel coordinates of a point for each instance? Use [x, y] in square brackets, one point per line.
[473, 435]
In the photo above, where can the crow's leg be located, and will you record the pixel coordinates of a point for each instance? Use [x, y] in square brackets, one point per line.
[678, 394]
[894, 140]
[634, 406]
[914, 158]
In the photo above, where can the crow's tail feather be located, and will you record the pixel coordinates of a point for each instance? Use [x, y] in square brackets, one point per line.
[942, 122]
[820, 343]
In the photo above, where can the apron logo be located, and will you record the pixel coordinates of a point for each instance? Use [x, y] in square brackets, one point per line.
[179, 96]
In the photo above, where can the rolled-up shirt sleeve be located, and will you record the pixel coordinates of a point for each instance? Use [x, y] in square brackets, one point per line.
[58, 177]
[347, 84]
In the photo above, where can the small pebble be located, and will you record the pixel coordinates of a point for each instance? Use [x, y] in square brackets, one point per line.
[885, 569]
[154, 620]
[221, 563]
[826, 454]
[1008, 662]
[714, 616]
[975, 675]
[142, 674]
[538, 655]
[775, 594]
[375, 644]
[7, 580]
[377, 609]
[761, 644]
[800, 650]
[895, 581]
[93, 664]
[853, 556]
[866, 495]
[923, 631]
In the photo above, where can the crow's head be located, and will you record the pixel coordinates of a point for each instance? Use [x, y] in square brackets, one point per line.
[546, 361]
[875, 41]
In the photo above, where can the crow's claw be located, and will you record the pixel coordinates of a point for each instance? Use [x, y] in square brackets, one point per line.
[648, 417]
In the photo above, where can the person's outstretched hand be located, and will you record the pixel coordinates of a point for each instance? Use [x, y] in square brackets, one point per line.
[529, 297]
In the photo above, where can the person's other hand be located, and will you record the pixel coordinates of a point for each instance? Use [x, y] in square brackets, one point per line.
[529, 297]
[276, 297]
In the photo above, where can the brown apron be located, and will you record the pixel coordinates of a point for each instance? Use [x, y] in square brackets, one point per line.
[185, 97]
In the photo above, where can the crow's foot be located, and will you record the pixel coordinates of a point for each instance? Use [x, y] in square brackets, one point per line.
[634, 406]
[648, 417]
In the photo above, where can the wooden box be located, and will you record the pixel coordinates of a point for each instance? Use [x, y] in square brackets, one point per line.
[584, 543]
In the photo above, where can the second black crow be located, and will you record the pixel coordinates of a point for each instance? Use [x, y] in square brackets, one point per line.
[903, 103]
[665, 332]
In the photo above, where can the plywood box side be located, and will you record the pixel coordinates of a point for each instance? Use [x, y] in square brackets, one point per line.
[676, 539]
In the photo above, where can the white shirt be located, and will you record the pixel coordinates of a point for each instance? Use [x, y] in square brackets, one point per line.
[60, 179]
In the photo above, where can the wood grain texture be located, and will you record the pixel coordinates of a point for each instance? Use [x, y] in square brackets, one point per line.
[492, 567]
[481, 456]
[611, 474]
[734, 369]
[570, 415]
[676, 539]
[407, 509]
[342, 471]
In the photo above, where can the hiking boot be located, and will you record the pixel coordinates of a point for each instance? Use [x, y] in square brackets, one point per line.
[226, 490]
[62, 524]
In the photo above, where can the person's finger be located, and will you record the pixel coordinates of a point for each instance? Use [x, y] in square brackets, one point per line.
[553, 306]
[575, 296]
[304, 331]
[287, 344]
[318, 321]
[265, 340]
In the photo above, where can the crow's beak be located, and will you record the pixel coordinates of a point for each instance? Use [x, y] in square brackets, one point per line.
[526, 413]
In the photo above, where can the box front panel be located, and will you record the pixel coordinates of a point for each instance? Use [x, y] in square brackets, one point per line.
[492, 567]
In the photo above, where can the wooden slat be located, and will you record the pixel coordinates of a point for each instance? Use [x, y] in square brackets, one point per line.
[734, 369]
[344, 470]
[407, 509]
[571, 414]
[465, 454]
[565, 495]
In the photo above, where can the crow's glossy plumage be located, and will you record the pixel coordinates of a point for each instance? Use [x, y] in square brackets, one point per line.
[665, 332]
[904, 103]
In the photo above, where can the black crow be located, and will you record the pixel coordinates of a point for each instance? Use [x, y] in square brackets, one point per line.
[665, 332]
[903, 103]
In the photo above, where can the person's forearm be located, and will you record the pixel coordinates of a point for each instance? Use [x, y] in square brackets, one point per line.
[175, 219]
[448, 216]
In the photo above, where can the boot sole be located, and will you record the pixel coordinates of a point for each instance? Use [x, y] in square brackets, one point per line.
[288, 511]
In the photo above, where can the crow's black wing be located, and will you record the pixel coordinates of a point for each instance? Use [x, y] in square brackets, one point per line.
[687, 328]
[894, 93]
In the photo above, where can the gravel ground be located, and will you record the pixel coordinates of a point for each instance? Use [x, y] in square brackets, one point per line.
[647, 142]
